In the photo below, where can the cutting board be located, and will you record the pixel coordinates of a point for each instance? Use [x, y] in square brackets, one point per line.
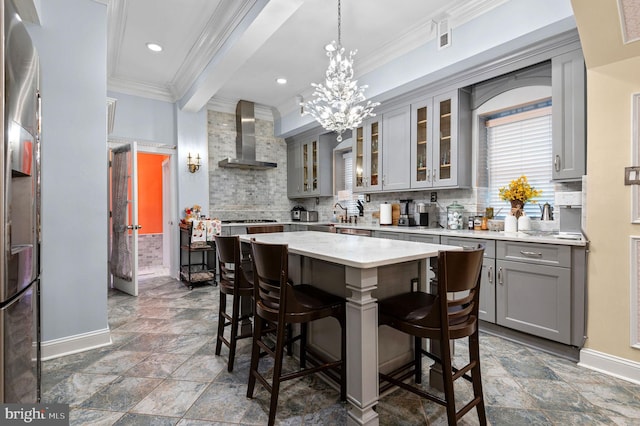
[395, 213]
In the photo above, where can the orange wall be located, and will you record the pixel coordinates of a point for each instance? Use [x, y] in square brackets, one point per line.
[150, 192]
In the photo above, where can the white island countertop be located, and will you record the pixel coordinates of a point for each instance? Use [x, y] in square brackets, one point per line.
[350, 250]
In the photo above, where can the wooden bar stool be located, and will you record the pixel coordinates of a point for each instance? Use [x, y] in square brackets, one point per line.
[235, 280]
[278, 303]
[449, 315]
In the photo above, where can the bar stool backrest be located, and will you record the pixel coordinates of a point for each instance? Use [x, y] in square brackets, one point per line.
[458, 291]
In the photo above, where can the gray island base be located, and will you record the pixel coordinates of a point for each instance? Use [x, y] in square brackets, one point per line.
[362, 270]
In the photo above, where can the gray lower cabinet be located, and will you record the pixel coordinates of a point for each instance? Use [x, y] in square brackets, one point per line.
[389, 234]
[430, 239]
[487, 308]
[533, 289]
[535, 299]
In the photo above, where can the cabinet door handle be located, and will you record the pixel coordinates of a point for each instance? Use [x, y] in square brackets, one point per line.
[500, 276]
[434, 175]
[490, 274]
[428, 175]
[556, 163]
[530, 253]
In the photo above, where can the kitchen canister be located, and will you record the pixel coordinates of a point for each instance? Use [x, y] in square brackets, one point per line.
[510, 224]
[455, 216]
[524, 223]
[385, 214]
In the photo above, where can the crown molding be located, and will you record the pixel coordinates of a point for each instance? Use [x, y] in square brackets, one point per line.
[227, 17]
[116, 21]
[144, 90]
[423, 32]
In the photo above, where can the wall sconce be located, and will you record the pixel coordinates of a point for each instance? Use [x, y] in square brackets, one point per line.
[193, 164]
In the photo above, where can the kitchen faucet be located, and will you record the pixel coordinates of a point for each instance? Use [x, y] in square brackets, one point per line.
[345, 210]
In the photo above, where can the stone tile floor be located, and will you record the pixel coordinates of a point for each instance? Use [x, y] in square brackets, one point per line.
[161, 370]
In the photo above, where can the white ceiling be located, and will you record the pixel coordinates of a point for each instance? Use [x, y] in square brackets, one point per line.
[235, 49]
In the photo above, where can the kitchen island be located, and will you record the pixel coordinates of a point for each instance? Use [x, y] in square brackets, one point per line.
[362, 270]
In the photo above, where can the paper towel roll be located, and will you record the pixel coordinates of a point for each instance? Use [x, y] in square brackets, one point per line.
[385, 214]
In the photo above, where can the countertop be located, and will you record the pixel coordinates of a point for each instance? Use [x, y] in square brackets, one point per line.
[544, 237]
[350, 250]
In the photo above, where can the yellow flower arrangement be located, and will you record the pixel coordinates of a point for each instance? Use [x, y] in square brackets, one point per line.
[519, 190]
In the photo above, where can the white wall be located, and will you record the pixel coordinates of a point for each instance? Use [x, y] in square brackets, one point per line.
[143, 119]
[74, 171]
[193, 188]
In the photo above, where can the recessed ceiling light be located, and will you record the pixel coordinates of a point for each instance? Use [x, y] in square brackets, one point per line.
[281, 80]
[154, 47]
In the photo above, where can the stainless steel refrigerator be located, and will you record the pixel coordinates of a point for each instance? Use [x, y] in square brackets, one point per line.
[19, 214]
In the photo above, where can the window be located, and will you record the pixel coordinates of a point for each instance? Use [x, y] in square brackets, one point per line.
[518, 142]
[347, 185]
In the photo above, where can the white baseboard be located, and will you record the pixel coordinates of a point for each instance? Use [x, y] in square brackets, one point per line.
[74, 344]
[609, 364]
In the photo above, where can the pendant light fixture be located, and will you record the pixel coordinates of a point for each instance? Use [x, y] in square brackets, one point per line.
[338, 103]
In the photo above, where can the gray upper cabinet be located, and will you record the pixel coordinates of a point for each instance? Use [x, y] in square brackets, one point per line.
[310, 166]
[569, 112]
[452, 139]
[396, 151]
[294, 169]
[441, 141]
[366, 150]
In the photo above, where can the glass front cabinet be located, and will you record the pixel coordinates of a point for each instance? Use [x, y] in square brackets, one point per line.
[310, 165]
[441, 141]
[367, 141]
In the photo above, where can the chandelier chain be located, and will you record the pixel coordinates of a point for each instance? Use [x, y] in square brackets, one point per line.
[339, 24]
[339, 104]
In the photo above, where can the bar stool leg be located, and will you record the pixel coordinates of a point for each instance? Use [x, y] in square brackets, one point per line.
[234, 331]
[221, 321]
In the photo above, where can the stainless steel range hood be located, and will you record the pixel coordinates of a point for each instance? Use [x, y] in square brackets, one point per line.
[246, 140]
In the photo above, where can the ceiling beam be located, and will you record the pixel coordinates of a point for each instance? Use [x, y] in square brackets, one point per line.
[262, 21]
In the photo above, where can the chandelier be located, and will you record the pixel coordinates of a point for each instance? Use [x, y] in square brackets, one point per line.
[337, 104]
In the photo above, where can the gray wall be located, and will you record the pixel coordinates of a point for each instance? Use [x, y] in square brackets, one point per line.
[74, 171]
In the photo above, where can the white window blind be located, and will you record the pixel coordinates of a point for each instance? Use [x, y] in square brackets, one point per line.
[520, 144]
[350, 205]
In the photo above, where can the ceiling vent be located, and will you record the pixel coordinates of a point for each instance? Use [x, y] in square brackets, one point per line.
[246, 140]
[444, 34]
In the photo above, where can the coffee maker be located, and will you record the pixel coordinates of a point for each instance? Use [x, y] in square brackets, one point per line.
[406, 218]
[422, 214]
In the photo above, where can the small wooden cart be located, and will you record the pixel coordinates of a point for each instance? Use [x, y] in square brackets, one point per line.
[197, 259]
